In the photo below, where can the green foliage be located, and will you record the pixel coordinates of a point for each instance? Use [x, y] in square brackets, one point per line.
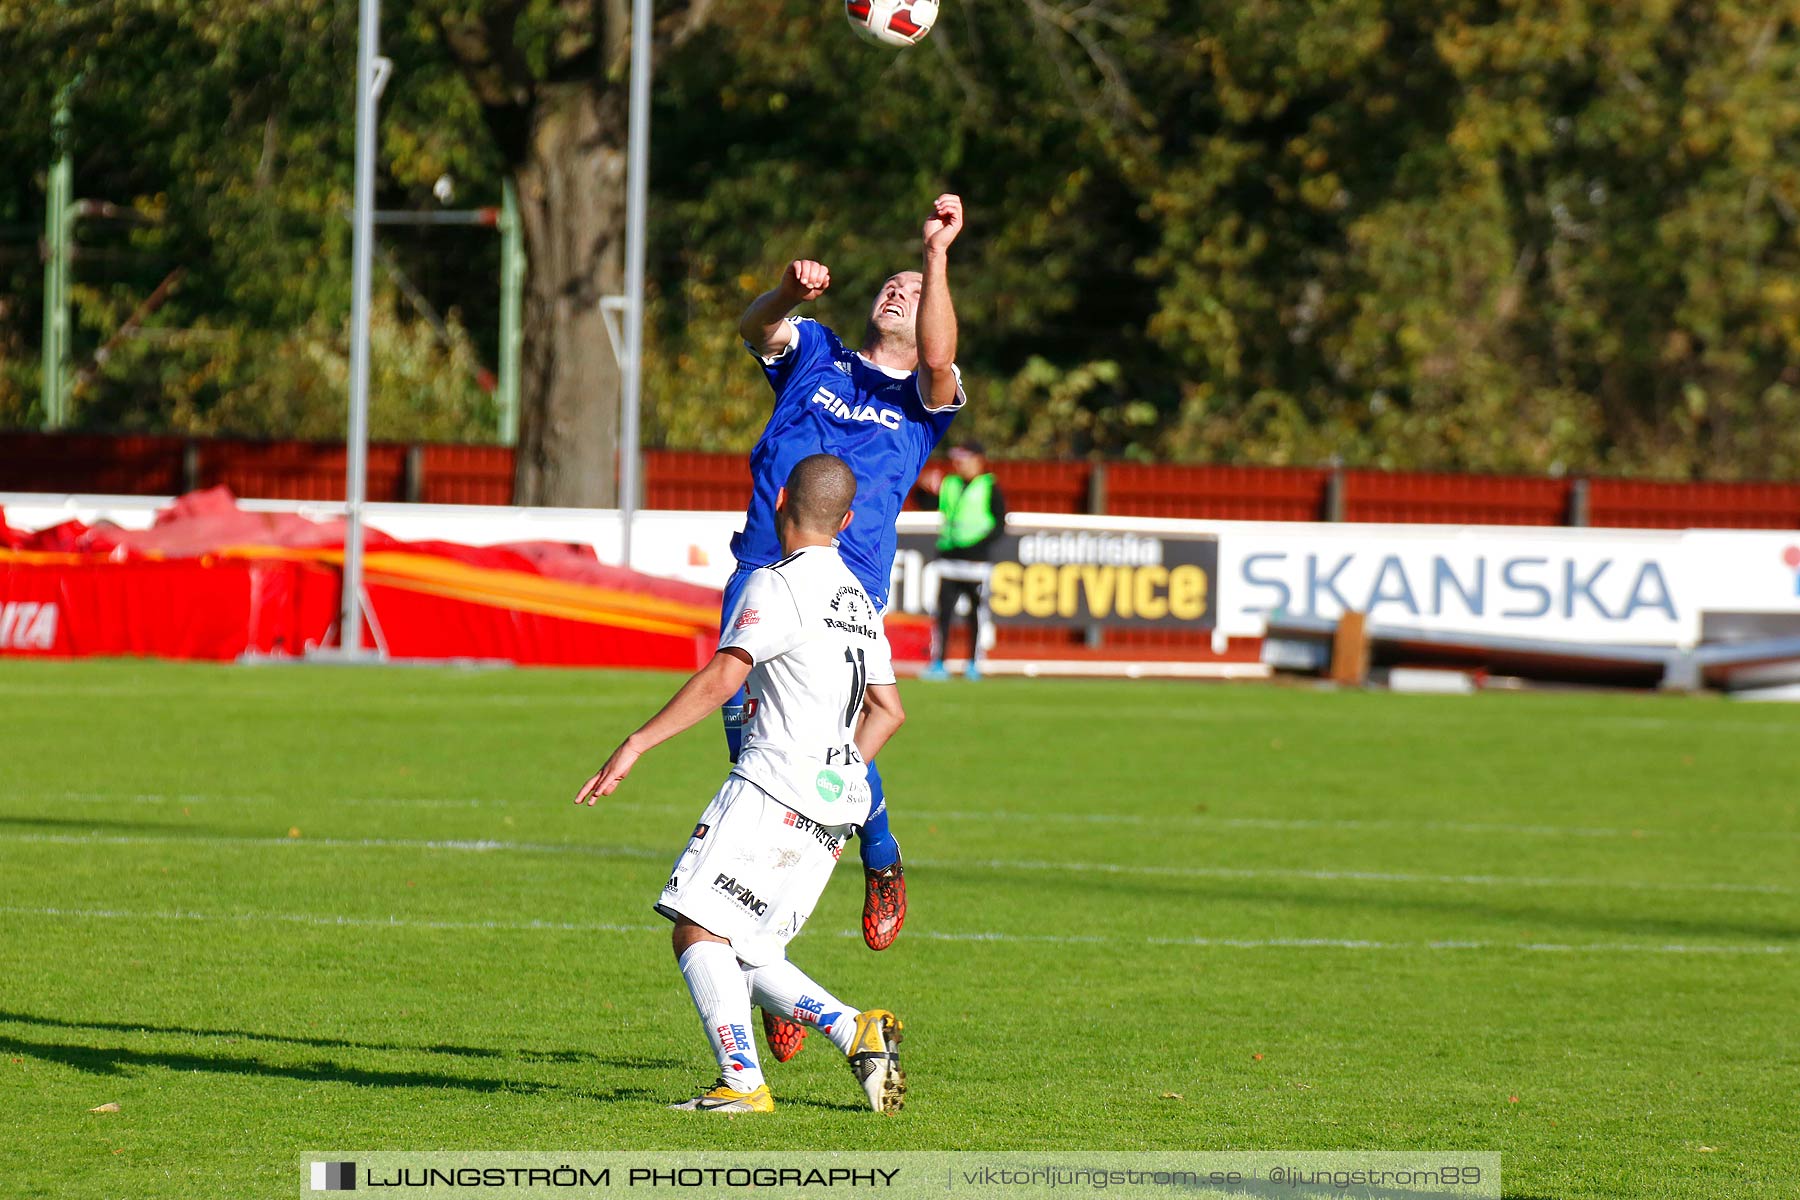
[1503, 238]
[228, 380]
[1410, 233]
[224, 129]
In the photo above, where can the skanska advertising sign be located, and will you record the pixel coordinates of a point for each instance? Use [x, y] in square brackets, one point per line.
[1604, 588]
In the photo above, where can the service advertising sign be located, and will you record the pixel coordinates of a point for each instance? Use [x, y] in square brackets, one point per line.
[1051, 575]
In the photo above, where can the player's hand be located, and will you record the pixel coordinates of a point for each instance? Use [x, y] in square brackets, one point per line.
[944, 223]
[607, 779]
[805, 279]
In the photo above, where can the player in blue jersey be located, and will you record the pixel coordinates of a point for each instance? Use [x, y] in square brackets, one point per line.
[881, 408]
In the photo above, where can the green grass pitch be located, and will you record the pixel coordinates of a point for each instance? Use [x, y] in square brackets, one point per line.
[267, 910]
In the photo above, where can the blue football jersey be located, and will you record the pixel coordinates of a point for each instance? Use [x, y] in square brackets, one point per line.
[829, 399]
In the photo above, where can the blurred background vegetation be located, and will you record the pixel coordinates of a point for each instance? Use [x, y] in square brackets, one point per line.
[1534, 235]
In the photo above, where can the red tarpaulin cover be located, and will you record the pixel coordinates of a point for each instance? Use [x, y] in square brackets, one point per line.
[210, 580]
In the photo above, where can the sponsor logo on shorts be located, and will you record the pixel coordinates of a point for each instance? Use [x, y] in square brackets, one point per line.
[674, 884]
[735, 1041]
[830, 785]
[811, 1012]
[821, 834]
[699, 831]
[729, 886]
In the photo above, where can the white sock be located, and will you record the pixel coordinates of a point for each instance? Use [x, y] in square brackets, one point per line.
[717, 985]
[787, 991]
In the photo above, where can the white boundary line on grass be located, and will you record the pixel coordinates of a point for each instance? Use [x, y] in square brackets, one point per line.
[334, 920]
[992, 864]
[328, 920]
[185, 798]
[1378, 825]
[474, 845]
[1327, 876]
[1164, 820]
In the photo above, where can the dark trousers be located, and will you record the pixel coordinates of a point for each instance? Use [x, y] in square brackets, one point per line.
[950, 593]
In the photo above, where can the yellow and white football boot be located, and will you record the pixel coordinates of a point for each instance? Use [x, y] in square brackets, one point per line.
[875, 1060]
[722, 1098]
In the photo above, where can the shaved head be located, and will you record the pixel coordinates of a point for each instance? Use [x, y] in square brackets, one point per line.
[820, 490]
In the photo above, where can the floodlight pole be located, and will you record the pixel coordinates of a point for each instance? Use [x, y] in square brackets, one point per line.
[512, 288]
[371, 75]
[57, 219]
[637, 199]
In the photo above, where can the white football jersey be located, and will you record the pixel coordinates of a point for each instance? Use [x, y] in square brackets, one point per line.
[817, 643]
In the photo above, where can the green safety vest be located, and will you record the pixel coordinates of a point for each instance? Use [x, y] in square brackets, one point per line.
[968, 511]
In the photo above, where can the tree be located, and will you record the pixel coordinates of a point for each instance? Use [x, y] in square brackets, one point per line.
[551, 81]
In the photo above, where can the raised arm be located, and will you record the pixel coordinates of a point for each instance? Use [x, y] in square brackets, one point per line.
[700, 696]
[881, 716]
[936, 330]
[763, 326]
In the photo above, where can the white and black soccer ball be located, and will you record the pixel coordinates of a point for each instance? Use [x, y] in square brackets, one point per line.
[896, 23]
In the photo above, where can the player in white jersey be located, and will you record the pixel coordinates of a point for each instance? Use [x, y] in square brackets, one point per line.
[809, 643]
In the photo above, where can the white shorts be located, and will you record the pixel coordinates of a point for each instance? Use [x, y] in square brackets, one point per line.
[752, 871]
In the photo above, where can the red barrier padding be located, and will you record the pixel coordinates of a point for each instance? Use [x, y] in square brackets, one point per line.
[212, 581]
[423, 625]
[59, 606]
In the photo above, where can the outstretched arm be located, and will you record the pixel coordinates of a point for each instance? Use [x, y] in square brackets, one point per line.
[882, 715]
[710, 687]
[764, 326]
[936, 329]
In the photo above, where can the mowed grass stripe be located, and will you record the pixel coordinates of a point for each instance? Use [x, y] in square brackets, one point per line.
[449, 882]
[613, 850]
[1694, 860]
[338, 920]
[1160, 821]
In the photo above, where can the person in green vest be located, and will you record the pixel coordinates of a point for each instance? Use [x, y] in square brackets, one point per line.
[974, 516]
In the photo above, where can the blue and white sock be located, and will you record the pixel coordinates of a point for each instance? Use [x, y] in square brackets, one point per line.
[875, 842]
[787, 991]
[716, 983]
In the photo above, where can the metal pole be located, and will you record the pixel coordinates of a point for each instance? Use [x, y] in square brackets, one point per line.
[636, 209]
[371, 74]
[55, 388]
[512, 289]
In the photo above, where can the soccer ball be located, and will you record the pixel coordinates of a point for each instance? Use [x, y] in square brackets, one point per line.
[891, 22]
